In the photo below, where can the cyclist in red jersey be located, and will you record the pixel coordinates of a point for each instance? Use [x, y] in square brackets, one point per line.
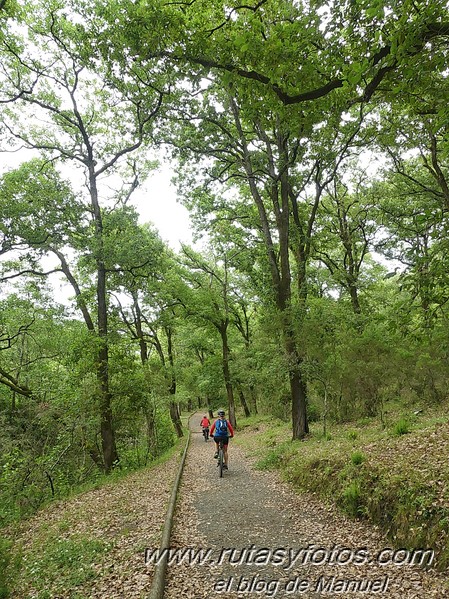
[222, 430]
[205, 422]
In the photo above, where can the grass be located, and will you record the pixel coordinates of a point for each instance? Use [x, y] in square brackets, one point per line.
[57, 562]
[10, 563]
[351, 499]
[52, 563]
[62, 564]
[395, 475]
[401, 428]
[357, 458]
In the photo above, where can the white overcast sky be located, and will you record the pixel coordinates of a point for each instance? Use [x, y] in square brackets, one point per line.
[156, 202]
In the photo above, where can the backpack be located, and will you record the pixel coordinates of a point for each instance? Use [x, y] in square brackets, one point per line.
[221, 428]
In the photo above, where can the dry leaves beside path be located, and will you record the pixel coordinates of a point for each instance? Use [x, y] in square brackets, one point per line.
[127, 515]
[262, 519]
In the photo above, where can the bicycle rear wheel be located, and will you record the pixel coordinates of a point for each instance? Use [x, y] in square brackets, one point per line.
[220, 461]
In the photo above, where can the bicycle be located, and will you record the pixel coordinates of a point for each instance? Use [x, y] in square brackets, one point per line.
[206, 433]
[220, 463]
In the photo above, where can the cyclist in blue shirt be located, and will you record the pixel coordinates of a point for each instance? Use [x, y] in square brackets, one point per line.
[222, 430]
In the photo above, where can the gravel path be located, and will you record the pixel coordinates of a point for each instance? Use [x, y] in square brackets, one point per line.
[260, 539]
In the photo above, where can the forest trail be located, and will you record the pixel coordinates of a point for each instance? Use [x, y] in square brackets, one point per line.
[259, 519]
[264, 525]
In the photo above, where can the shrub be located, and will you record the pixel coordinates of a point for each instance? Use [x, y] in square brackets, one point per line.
[351, 499]
[276, 457]
[313, 413]
[401, 428]
[357, 458]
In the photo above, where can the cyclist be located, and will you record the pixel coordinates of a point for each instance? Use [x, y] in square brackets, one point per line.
[205, 424]
[223, 431]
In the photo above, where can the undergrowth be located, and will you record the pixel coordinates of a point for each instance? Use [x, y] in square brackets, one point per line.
[9, 566]
[55, 563]
[395, 476]
[62, 564]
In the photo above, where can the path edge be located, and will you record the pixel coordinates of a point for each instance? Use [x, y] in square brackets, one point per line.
[158, 583]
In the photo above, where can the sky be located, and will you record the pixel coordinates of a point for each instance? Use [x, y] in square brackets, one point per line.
[156, 202]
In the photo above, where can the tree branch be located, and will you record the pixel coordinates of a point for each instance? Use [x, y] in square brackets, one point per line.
[13, 383]
[431, 31]
[79, 298]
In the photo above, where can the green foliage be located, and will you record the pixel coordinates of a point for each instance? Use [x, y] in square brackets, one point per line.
[223, 321]
[64, 563]
[10, 563]
[46, 444]
[313, 413]
[402, 427]
[350, 499]
[275, 457]
[357, 458]
[401, 488]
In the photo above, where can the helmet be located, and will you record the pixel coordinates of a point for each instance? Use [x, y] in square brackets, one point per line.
[221, 412]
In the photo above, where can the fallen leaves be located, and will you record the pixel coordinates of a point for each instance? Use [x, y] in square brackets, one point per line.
[128, 515]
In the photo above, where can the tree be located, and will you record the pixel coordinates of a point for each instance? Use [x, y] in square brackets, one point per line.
[77, 111]
[210, 302]
[347, 231]
[299, 54]
[285, 75]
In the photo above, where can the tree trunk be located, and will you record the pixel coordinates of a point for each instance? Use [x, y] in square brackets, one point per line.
[143, 346]
[175, 418]
[279, 261]
[110, 455]
[174, 409]
[209, 407]
[96, 457]
[298, 388]
[252, 393]
[109, 450]
[245, 407]
[299, 413]
[13, 404]
[151, 432]
[353, 292]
